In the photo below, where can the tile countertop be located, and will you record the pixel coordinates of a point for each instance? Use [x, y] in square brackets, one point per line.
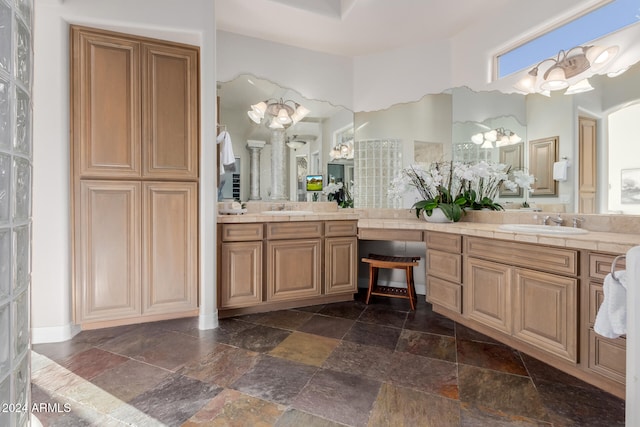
[607, 233]
[593, 240]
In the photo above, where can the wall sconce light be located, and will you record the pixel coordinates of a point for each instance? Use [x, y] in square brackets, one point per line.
[565, 69]
[280, 114]
[495, 138]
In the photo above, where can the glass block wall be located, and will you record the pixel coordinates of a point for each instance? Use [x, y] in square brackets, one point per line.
[16, 58]
[376, 163]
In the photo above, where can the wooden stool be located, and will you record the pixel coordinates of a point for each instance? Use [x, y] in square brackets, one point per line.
[383, 261]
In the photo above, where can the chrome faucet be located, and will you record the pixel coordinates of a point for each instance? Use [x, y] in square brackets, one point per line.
[557, 220]
[577, 220]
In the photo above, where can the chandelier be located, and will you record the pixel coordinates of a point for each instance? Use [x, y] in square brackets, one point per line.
[496, 137]
[277, 114]
[565, 70]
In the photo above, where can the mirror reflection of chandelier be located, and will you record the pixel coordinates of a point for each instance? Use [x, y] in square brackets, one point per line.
[342, 151]
[566, 70]
[277, 114]
[498, 137]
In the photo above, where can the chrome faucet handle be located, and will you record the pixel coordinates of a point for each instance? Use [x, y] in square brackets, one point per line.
[577, 220]
[545, 220]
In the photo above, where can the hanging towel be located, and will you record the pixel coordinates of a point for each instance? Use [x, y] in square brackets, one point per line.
[227, 158]
[560, 170]
[611, 320]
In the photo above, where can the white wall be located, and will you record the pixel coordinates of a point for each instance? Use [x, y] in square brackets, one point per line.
[624, 152]
[314, 75]
[166, 19]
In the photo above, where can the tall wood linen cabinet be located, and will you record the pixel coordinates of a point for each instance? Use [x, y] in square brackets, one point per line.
[134, 178]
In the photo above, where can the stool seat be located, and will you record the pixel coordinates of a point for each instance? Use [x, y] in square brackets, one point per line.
[376, 262]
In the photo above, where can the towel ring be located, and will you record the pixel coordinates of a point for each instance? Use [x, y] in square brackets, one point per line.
[613, 265]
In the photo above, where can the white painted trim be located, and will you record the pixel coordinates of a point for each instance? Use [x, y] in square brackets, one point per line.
[51, 334]
[208, 321]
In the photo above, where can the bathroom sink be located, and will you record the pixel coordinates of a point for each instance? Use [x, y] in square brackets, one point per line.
[287, 213]
[542, 229]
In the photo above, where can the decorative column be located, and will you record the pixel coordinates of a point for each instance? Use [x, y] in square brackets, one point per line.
[254, 147]
[278, 166]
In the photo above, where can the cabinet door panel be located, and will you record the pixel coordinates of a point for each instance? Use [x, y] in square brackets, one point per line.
[547, 312]
[341, 268]
[170, 254]
[608, 357]
[293, 268]
[107, 253]
[487, 294]
[106, 105]
[169, 116]
[241, 274]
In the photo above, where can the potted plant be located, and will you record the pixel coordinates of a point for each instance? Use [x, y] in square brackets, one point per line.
[441, 187]
[483, 185]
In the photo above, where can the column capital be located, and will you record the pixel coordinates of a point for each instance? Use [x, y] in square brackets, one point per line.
[254, 143]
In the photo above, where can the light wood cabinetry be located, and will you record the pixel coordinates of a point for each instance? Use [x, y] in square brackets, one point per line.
[134, 170]
[108, 250]
[606, 357]
[546, 310]
[170, 250]
[529, 292]
[304, 263]
[294, 260]
[444, 270]
[487, 294]
[340, 257]
[240, 269]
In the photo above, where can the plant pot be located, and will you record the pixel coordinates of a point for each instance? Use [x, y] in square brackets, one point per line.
[436, 216]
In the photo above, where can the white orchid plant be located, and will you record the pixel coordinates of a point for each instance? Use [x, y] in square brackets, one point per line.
[456, 186]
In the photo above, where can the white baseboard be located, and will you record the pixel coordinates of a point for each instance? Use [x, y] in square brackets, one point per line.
[208, 320]
[51, 334]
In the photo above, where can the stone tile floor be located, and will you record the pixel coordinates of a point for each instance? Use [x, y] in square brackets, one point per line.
[343, 364]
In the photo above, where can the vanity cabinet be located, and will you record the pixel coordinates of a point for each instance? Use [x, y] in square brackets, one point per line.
[294, 260]
[529, 292]
[240, 283]
[444, 270]
[277, 265]
[605, 357]
[341, 257]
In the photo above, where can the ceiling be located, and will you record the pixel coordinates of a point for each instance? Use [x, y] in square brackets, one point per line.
[362, 27]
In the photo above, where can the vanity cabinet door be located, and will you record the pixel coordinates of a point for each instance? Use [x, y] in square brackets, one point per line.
[240, 274]
[546, 307]
[293, 269]
[341, 254]
[487, 294]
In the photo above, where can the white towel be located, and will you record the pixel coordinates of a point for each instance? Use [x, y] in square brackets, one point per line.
[611, 320]
[226, 151]
[560, 170]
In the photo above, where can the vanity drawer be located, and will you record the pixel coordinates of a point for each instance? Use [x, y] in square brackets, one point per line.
[608, 357]
[443, 241]
[537, 257]
[389, 234]
[445, 294]
[294, 230]
[600, 265]
[340, 228]
[444, 265]
[242, 232]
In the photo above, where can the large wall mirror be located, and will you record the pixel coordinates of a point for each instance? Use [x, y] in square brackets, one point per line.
[308, 143]
[602, 177]
[442, 126]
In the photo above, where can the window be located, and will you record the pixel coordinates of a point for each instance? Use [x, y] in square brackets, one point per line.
[589, 27]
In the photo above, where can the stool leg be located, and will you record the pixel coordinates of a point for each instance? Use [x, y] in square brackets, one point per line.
[373, 280]
[410, 288]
